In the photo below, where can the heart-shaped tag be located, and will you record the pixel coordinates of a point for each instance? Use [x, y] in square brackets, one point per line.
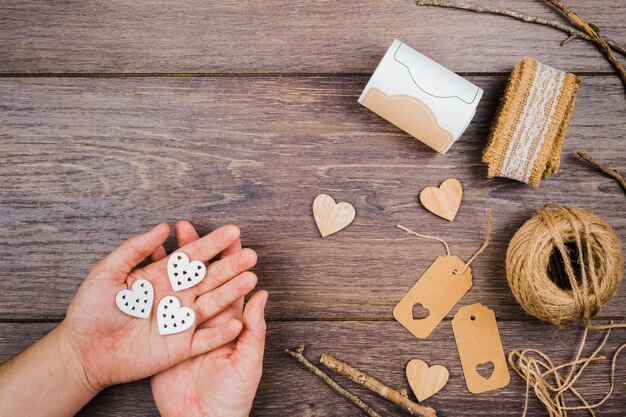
[331, 217]
[137, 301]
[173, 318]
[426, 380]
[444, 201]
[182, 273]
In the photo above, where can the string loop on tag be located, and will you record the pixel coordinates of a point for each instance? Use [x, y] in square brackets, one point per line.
[474, 256]
[411, 232]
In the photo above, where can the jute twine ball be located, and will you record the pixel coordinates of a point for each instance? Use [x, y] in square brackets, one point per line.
[570, 247]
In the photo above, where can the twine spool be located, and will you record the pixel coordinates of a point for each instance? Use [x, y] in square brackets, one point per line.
[564, 264]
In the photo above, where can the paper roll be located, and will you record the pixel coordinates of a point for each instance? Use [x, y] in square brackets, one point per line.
[421, 97]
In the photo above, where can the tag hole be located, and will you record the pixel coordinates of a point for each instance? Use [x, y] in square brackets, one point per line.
[485, 369]
[420, 312]
[472, 317]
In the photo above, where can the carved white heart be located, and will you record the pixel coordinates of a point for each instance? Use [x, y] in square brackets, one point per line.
[173, 318]
[182, 273]
[137, 301]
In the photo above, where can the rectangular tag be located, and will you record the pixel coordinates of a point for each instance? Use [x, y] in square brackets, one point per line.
[479, 345]
[438, 290]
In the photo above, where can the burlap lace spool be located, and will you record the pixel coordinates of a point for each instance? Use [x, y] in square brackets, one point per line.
[527, 133]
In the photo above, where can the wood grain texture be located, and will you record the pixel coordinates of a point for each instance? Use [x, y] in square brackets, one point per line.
[381, 349]
[286, 36]
[87, 163]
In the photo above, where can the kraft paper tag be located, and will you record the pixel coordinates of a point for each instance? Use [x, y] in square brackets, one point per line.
[480, 348]
[421, 97]
[438, 290]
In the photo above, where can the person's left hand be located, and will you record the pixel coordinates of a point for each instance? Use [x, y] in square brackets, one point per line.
[222, 382]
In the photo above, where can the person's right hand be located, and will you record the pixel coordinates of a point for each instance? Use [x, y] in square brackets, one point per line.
[222, 382]
[111, 347]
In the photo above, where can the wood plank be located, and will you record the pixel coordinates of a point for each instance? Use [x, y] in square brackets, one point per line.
[283, 36]
[379, 348]
[89, 162]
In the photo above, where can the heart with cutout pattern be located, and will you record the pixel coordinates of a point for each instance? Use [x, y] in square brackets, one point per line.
[137, 301]
[172, 317]
[182, 273]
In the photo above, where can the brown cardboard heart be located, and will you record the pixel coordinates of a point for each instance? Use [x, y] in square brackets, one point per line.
[444, 201]
[331, 217]
[426, 380]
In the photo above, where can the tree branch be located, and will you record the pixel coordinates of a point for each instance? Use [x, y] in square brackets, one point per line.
[573, 33]
[592, 31]
[376, 386]
[613, 173]
[297, 354]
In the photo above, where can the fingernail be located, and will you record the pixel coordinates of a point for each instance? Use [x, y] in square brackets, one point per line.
[265, 302]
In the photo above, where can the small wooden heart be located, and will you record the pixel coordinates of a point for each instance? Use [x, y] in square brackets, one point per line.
[444, 201]
[331, 217]
[426, 380]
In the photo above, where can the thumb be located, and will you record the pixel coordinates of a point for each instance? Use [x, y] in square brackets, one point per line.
[251, 342]
[133, 251]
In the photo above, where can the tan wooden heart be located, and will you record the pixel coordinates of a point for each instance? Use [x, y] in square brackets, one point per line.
[444, 201]
[331, 217]
[426, 380]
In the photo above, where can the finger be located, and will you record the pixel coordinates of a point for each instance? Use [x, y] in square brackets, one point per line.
[158, 254]
[229, 313]
[209, 246]
[222, 271]
[251, 342]
[132, 252]
[213, 302]
[236, 309]
[185, 233]
[206, 340]
[232, 249]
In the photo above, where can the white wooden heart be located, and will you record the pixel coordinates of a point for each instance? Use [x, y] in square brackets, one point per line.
[182, 273]
[137, 301]
[331, 217]
[172, 318]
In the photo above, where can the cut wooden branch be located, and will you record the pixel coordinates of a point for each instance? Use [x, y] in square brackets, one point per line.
[613, 173]
[388, 393]
[592, 31]
[298, 355]
[572, 32]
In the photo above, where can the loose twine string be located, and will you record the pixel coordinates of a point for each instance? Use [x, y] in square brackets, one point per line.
[478, 252]
[593, 271]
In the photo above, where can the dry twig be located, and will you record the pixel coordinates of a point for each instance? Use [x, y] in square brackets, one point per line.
[573, 33]
[613, 173]
[592, 31]
[376, 386]
[297, 354]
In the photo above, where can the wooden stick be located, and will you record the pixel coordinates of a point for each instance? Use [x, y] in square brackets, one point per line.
[573, 33]
[592, 31]
[376, 386]
[613, 173]
[297, 354]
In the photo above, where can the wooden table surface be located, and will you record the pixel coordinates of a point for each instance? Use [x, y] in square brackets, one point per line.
[116, 115]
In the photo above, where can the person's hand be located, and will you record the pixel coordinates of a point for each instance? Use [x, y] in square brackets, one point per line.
[222, 382]
[113, 347]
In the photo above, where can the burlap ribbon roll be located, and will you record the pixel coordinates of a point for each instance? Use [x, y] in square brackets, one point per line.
[527, 134]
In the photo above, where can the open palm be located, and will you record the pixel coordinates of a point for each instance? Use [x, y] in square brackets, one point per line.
[114, 347]
[221, 382]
